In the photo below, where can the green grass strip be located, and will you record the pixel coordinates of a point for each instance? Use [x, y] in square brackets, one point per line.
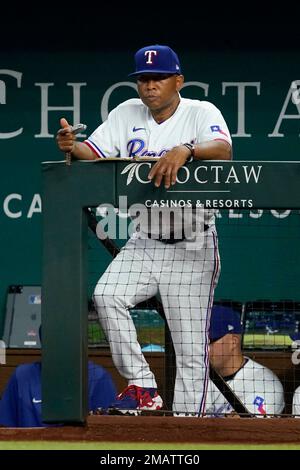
[53, 445]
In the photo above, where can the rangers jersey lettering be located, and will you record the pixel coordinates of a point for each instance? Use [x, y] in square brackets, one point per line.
[130, 130]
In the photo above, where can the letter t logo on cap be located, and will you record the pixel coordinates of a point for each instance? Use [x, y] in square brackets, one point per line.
[149, 53]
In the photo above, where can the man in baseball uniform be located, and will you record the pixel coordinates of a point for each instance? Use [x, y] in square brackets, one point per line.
[159, 260]
[296, 403]
[256, 386]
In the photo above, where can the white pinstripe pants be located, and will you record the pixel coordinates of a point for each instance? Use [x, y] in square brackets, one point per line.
[185, 280]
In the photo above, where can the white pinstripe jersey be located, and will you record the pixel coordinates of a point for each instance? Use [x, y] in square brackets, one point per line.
[131, 131]
[255, 385]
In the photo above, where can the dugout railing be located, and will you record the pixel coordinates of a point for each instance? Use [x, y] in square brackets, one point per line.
[67, 192]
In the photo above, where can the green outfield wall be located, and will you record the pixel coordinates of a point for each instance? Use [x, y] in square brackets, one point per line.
[256, 92]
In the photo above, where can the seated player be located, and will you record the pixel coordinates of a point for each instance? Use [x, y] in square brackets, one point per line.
[21, 403]
[296, 403]
[257, 387]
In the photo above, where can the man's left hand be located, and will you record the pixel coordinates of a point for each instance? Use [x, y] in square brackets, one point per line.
[167, 166]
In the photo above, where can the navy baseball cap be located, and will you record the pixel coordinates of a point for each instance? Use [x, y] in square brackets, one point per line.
[156, 59]
[295, 336]
[224, 320]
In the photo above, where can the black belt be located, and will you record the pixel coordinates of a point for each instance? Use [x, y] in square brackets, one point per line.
[173, 238]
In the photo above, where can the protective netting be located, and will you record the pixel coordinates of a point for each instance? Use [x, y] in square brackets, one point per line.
[157, 295]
